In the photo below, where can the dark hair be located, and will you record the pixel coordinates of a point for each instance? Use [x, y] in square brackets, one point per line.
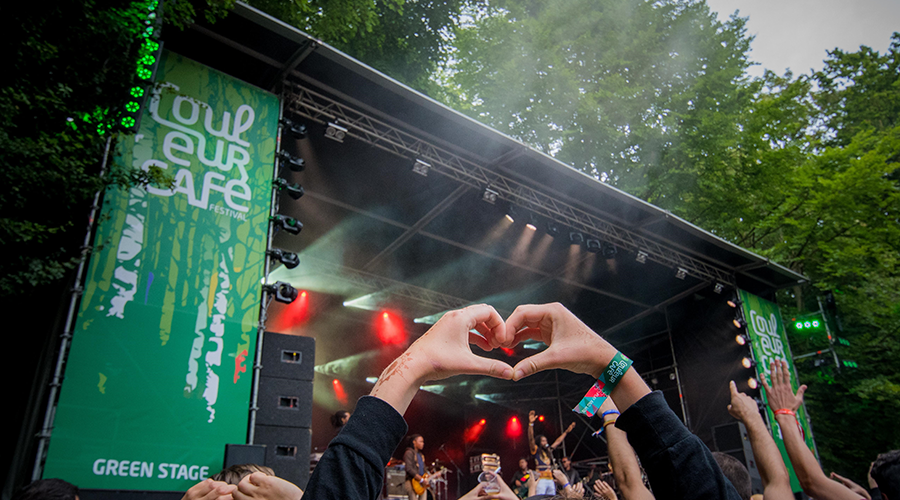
[48, 489]
[337, 418]
[537, 439]
[412, 439]
[886, 473]
[234, 474]
[736, 472]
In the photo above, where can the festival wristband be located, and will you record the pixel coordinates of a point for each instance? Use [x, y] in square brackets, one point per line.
[597, 394]
[603, 427]
[785, 411]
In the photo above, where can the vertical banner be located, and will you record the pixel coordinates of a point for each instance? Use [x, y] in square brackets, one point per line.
[768, 340]
[159, 372]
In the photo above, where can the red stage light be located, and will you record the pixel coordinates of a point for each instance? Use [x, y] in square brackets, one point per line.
[507, 351]
[474, 432]
[514, 428]
[541, 418]
[339, 393]
[390, 329]
[483, 421]
[292, 315]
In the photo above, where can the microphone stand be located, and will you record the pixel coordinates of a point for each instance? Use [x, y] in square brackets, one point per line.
[458, 471]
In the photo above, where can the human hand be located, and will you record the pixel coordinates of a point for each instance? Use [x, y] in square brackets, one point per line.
[532, 417]
[209, 490]
[576, 490]
[742, 406]
[264, 487]
[604, 491]
[780, 394]
[560, 477]
[855, 488]
[571, 344]
[572, 426]
[478, 493]
[869, 478]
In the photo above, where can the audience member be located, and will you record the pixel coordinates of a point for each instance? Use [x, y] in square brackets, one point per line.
[886, 473]
[234, 474]
[48, 489]
[736, 472]
[604, 491]
[622, 460]
[340, 418]
[244, 482]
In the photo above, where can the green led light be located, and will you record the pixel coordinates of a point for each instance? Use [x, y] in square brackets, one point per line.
[815, 324]
[144, 73]
[147, 60]
[132, 106]
[151, 46]
[128, 122]
[137, 92]
[799, 325]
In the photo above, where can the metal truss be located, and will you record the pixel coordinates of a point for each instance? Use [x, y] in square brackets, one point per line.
[322, 109]
[430, 298]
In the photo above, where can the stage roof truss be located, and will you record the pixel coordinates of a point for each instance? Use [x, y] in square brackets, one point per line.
[322, 109]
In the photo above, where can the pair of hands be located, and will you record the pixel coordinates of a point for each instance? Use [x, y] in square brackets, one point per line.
[443, 351]
[255, 486]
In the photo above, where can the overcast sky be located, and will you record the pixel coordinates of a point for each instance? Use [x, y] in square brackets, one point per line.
[796, 33]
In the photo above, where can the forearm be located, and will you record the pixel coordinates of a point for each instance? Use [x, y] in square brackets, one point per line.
[559, 440]
[398, 383]
[771, 468]
[626, 469]
[813, 481]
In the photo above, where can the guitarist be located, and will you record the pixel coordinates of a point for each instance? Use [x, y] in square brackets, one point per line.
[415, 466]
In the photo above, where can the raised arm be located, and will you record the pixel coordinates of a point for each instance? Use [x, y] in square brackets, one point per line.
[532, 446]
[626, 469]
[558, 441]
[676, 461]
[774, 475]
[781, 396]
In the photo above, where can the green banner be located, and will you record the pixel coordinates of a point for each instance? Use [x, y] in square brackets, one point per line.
[159, 372]
[769, 343]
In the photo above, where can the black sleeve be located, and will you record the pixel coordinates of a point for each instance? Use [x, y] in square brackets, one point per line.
[677, 462]
[352, 467]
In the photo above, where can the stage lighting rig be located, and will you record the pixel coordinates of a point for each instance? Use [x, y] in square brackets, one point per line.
[608, 250]
[576, 238]
[593, 245]
[719, 288]
[512, 212]
[532, 222]
[747, 363]
[297, 130]
[295, 163]
[753, 383]
[490, 196]
[553, 229]
[295, 191]
[739, 322]
[281, 291]
[289, 224]
[289, 259]
[335, 132]
[681, 273]
[641, 257]
[734, 301]
[421, 167]
[741, 339]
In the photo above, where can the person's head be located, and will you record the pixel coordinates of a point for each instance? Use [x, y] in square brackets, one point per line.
[566, 463]
[736, 472]
[541, 441]
[886, 473]
[523, 464]
[340, 418]
[417, 442]
[48, 489]
[234, 474]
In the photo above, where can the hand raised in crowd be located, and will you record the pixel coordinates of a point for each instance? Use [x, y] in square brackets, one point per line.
[855, 488]
[742, 406]
[604, 491]
[531, 417]
[264, 487]
[444, 351]
[570, 427]
[210, 490]
[779, 391]
[478, 493]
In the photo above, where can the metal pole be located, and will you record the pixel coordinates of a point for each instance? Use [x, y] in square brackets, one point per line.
[684, 413]
[837, 363]
[50, 413]
[559, 410]
[264, 303]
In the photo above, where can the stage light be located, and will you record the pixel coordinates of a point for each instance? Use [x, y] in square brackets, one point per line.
[734, 302]
[741, 339]
[719, 288]
[553, 229]
[482, 421]
[295, 191]
[592, 245]
[289, 259]
[295, 163]
[371, 380]
[420, 167]
[748, 363]
[298, 130]
[540, 418]
[753, 383]
[512, 212]
[681, 273]
[289, 224]
[641, 257]
[609, 250]
[490, 196]
[339, 393]
[283, 292]
[514, 428]
[532, 222]
[739, 322]
[474, 432]
[335, 132]
[390, 329]
[576, 238]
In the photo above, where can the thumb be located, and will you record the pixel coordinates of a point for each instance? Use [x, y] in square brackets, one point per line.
[801, 390]
[533, 364]
[491, 367]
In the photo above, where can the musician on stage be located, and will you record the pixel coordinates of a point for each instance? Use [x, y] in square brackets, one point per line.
[415, 466]
[521, 480]
[543, 456]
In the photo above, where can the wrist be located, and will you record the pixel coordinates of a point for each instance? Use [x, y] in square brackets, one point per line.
[602, 352]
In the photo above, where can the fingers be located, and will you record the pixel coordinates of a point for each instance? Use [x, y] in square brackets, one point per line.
[530, 316]
[492, 325]
[490, 367]
[533, 364]
[480, 341]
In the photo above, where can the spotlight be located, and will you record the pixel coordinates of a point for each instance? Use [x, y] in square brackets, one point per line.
[593, 245]
[295, 191]
[641, 257]
[298, 130]
[748, 363]
[282, 291]
[719, 288]
[335, 132]
[296, 164]
[532, 222]
[512, 212]
[482, 421]
[739, 322]
[420, 167]
[741, 339]
[576, 238]
[753, 383]
[609, 250]
[734, 301]
[553, 229]
[289, 224]
[289, 259]
[540, 418]
[681, 273]
[490, 196]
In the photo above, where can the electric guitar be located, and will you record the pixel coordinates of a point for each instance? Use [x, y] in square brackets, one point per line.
[419, 487]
